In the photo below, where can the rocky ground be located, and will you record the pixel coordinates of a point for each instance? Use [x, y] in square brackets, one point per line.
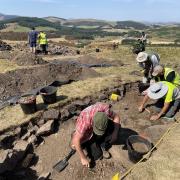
[34, 148]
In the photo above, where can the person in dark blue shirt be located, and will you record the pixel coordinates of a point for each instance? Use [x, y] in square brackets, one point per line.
[32, 39]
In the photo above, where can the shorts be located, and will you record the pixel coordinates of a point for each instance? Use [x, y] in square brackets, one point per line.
[32, 44]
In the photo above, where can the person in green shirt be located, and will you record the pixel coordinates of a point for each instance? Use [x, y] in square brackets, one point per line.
[168, 96]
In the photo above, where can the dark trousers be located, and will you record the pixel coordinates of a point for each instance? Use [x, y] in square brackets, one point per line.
[96, 143]
[174, 107]
[44, 48]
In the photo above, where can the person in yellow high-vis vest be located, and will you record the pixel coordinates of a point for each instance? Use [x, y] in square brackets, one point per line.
[42, 40]
[162, 73]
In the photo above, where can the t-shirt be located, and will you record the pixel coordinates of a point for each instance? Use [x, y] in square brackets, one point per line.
[173, 92]
[33, 36]
[84, 124]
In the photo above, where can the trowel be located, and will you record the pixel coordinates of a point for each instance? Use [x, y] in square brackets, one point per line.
[60, 166]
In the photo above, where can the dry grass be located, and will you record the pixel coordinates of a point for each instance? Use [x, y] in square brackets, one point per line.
[13, 116]
[165, 162]
[6, 65]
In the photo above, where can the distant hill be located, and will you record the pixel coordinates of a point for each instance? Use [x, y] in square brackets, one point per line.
[55, 19]
[6, 17]
[131, 25]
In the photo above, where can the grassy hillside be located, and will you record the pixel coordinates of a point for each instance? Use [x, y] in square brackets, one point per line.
[130, 24]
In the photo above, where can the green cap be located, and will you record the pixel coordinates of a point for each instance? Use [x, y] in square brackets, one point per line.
[100, 122]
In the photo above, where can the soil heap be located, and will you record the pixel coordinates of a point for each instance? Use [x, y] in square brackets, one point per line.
[24, 80]
[4, 46]
[60, 50]
[23, 58]
[90, 60]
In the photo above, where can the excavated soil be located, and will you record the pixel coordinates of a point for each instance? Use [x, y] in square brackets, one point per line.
[56, 146]
[23, 80]
[90, 60]
[23, 58]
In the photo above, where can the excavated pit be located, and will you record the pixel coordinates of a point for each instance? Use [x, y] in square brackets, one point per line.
[19, 81]
[52, 146]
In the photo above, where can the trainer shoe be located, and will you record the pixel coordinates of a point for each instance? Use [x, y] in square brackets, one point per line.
[106, 154]
[169, 118]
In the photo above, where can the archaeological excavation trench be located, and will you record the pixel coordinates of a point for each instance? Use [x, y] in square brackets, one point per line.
[31, 150]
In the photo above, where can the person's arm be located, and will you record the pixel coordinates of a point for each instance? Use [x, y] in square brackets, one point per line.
[163, 111]
[28, 39]
[170, 77]
[76, 143]
[116, 120]
[144, 101]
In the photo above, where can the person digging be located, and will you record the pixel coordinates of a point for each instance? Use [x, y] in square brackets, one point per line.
[162, 73]
[97, 128]
[147, 61]
[168, 100]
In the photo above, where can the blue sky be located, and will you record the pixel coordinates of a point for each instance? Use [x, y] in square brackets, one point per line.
[140, 10]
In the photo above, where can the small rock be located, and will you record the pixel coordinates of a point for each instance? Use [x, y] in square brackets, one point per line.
[44, 176]
[102, 97]
[17, 131]
[47, 128]
[33, 129]
[41, 122]
[65, 114]
[32, 139]
[51, 114]
[27, 161]
[20, 148]
[71, 109]
[26, 136]
[87, 101]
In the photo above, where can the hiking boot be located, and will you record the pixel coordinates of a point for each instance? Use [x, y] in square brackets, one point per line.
[106, 154]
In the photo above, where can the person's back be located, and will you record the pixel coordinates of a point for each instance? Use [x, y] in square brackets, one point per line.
[32, 39]
[33, 36]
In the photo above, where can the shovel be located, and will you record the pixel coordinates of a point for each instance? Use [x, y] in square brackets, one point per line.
[60, 166]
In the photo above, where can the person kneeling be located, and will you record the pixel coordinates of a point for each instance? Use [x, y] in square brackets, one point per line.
[168, 96]
[96, 128]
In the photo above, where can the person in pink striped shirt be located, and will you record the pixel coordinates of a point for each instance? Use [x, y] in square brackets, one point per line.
[96, 126]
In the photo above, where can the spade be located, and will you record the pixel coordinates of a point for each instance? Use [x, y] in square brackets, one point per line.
[60, 166]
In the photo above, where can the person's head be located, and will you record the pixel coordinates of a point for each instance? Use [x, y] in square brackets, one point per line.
[143, 33]
[142, 57]
[100, 122]
[158, 70]
[157, 90]
[33, 28]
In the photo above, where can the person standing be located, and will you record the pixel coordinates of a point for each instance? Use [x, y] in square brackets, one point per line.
[42, 40]
[32, 40]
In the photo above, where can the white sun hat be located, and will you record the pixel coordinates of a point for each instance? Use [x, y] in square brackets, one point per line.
[157, 90]
[142, 57]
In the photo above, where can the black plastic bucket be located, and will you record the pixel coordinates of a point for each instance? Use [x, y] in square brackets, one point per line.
[28, 103]
[137, 147]
[49, 94]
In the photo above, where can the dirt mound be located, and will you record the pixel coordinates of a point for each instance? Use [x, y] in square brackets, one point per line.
[61, 50]
[5, 55]
[23, 58]
[90, 60]
[23, 80]
[4, 46]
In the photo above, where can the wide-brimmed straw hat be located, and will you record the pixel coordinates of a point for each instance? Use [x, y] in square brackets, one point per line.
[142, 57]
[157, 90]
